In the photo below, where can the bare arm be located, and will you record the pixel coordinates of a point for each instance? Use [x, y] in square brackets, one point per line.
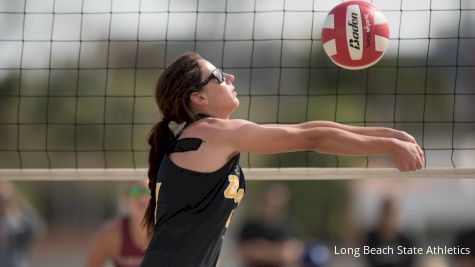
[245, 136]
[104, 247]
[371, 131]
[250, 137]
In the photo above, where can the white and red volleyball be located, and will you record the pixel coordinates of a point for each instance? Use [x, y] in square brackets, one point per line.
[355, 35]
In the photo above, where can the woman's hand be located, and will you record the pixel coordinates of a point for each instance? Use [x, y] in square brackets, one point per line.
[403, 136]
[407, 156]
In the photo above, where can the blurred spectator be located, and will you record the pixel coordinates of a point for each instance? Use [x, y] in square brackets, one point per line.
[19, 224]
[268, 238]
[465, 240]
[388, 234]
[123, 240]
[433, 261]
[315, 255]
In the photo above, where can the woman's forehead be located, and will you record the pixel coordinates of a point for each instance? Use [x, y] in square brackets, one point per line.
[206, 67]
[140, 183]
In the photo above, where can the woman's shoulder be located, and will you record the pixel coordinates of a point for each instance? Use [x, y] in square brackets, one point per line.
[111, 230]
[107, 240]
[214, 126]
[220, 125]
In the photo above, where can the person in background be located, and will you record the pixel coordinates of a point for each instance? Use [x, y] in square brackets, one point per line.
[387, 233]
[19, 225]
[123, 240]
[269, 239]
[466, 241]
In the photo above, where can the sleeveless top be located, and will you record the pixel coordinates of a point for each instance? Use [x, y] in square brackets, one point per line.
[130, 255]
[193, 212]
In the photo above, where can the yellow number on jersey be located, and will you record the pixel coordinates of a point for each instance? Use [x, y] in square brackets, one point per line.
[233, 190]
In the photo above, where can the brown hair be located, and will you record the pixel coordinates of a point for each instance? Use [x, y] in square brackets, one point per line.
[172, 94]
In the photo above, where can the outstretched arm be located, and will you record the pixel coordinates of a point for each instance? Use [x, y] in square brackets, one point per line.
[370, 131]
[245, 136]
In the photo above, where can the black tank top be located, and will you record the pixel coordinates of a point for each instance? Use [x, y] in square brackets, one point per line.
[194, 211]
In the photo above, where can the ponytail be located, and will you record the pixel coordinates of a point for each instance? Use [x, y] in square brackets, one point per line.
[172, 94]
[159, 140]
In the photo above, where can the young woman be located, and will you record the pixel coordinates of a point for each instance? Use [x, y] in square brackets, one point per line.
[194, 176]
[122, 241]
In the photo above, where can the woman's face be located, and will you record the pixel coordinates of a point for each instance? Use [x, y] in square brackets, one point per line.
[221, 98]
[136, 198]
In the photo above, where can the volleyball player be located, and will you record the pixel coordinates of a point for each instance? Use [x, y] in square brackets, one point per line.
[194, 176]
[123, 240]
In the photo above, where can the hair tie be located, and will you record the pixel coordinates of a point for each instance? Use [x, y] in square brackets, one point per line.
[165, 121]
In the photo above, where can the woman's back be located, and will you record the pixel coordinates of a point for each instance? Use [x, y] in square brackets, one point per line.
[194, 208]
[211, 155]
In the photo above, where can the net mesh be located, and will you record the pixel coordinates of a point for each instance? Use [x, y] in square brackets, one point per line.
[77, 76]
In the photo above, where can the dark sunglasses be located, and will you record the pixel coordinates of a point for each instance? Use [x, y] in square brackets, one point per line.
[137, 191]
[216, 74]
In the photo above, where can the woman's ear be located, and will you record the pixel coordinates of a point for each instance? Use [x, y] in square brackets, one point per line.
[198, 98]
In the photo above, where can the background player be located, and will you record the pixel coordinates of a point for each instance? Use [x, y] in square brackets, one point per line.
[270, 237]
[123, 240]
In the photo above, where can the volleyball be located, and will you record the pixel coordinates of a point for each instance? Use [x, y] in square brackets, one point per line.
[355, 35]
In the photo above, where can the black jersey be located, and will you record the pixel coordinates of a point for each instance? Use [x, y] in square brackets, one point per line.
[194, 211]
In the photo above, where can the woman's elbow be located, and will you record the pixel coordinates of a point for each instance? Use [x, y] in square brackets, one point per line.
[324, 139]
[315, 140]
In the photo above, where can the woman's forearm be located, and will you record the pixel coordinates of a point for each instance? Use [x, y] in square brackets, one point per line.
[333, 140]
[370, 131]
[407, 156]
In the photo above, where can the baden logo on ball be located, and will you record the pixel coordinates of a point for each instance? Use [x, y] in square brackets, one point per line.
[355, 35]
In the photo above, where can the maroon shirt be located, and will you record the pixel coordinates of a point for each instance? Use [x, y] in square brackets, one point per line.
[130, 254]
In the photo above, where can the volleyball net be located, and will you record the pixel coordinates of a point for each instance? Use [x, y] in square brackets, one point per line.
[77, 79]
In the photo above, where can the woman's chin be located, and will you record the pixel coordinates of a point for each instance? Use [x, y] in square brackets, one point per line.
[237, 104]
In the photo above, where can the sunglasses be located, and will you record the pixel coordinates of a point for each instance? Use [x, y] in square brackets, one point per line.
[216, 74]
[138, 191]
